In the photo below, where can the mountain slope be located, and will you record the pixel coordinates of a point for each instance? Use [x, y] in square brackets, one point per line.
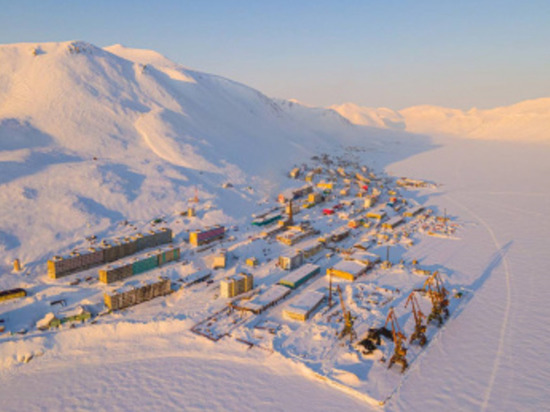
[524, 121]
[90, 137]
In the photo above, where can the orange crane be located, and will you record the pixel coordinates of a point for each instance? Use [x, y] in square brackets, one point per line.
[419, 327]
[400, 351]
[439, 296]
[348, 319]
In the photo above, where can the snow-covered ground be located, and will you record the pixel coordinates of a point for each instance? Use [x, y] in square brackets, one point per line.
[110, 135]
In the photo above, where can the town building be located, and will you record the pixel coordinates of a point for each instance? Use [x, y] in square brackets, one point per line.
[347, 270]
[302, 307]
[291, 259]
[234, 285]
[299, 276]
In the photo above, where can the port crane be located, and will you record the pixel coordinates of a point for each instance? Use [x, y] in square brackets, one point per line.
[438, 294]
[400, 351]
[348, 319]
[419, 326]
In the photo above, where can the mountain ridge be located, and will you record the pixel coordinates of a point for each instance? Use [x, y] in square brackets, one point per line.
[528, 120]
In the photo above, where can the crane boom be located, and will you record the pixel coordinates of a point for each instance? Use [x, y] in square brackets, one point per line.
[400, 351]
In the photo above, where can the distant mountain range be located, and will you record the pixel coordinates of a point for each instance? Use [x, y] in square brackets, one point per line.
[525, 121]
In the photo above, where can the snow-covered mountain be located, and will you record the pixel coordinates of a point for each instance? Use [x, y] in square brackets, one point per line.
[524, 121]
[92, 136]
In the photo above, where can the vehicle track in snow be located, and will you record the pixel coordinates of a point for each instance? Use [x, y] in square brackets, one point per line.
[505, 321]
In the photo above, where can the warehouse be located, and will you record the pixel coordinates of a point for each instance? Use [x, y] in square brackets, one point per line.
[369, 201]
[291, 260]
[315, 198]
[273, 295]
[291, 237]
[378, 214]
[302, 307]
[414, 211]
[311, 248]
[235, 285]
[392, 223]
[291, 194]
[130, 295]
[200, 237]
[347, 270]
[325, 185]
[266, 220]
[300, 275]
[196, 277]
[339, 234]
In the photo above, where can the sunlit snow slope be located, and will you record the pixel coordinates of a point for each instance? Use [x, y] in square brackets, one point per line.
[91, 136]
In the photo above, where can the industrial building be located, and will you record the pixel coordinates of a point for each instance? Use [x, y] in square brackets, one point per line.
[196, 277]
[300, 275]
[378, 214]
[302, 307]
[291, 260]
[291, 237]
[235, 285]
[411, 183]
[130, 295]
[339, 234]
[325, 185]
[347, 270]
[413, 212]
[369, 201]
[267, 219]
[200, 237]
[291, 194]
[392, 223]
[315, 197]
[109, 251]
[273, 295]
[311, 248]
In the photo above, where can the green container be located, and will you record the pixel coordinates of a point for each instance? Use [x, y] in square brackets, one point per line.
[144, 265]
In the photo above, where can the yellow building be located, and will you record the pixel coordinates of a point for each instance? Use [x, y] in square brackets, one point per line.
[376, 214]
[252, 262]
[235, 285]
[347, 270]
[302, 307]
[220, 260]
[325, 185]
[314, 197]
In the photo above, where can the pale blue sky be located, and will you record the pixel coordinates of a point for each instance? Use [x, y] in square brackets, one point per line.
[374, 53]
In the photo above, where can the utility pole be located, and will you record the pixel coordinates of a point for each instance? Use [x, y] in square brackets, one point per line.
[330, 289]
